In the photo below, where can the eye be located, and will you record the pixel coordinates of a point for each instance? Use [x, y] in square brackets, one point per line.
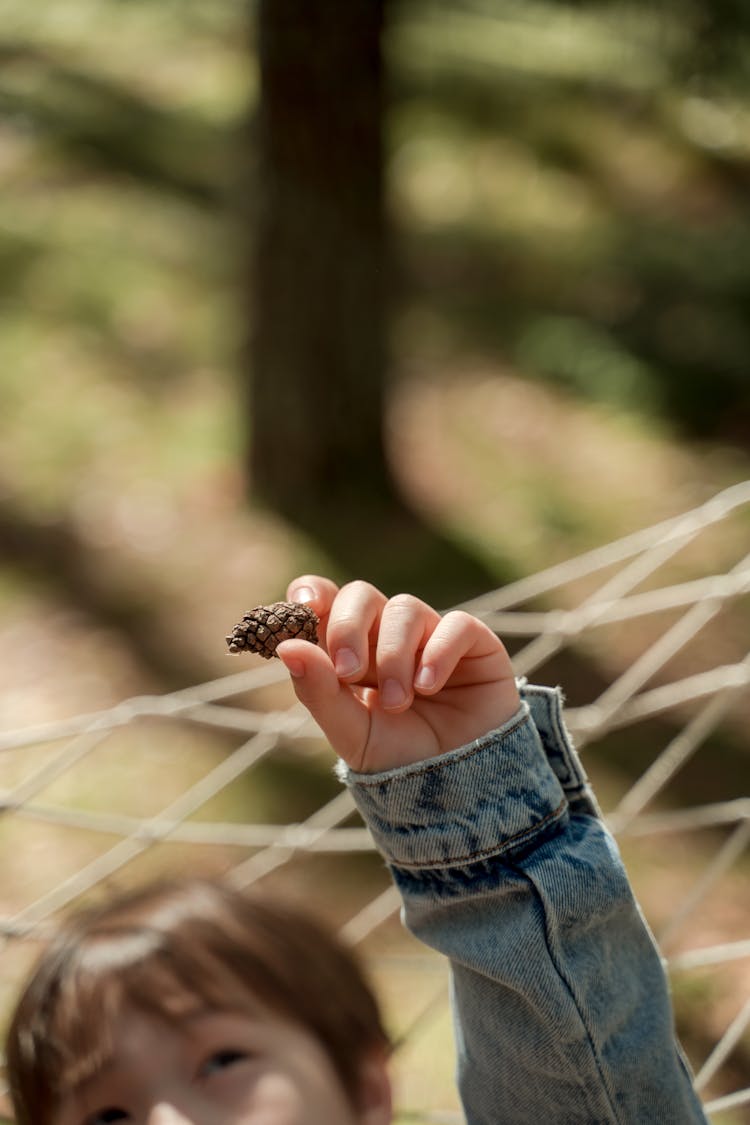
[103, 1116]
[221, 1060]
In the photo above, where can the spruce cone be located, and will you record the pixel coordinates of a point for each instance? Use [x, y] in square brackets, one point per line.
[263, 628]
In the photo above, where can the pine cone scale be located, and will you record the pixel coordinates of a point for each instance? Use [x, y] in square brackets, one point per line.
[262, 629]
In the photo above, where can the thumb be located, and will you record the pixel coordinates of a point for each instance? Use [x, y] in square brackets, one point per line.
[340, 714]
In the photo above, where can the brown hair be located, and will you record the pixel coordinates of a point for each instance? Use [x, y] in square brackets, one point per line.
[164, 947]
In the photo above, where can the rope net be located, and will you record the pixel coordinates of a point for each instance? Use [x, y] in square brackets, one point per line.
[189, 780]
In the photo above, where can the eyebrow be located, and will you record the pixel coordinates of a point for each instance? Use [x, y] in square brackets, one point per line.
[200, 1013]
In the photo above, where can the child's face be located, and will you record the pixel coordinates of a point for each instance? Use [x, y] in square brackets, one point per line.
[213, 1068]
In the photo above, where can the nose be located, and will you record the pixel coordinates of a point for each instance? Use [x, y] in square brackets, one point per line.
[165, 1114]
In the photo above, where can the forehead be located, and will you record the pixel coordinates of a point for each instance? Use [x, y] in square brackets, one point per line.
[140, 1036]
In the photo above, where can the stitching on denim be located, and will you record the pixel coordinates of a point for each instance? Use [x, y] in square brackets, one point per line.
[556, 724]
[575, 781]
[616, 1119]
[574, 770]
[496, 849]
[434, 766]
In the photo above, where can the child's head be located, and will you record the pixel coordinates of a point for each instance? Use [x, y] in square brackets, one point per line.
[226, 1008]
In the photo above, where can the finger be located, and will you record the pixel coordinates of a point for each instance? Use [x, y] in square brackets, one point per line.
[352, 621]
[313, 590]
[318, 593]
[461, 650]
[341, 714]
[405, 624]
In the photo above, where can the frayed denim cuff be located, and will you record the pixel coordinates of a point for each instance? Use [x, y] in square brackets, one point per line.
[484, 798]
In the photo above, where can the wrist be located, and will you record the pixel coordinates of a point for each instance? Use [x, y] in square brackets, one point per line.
[465, 805]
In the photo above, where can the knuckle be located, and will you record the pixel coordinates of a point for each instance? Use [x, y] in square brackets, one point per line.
[345, 625]
[404, 603]
[352, 608]
[390, 651]
[460, 619]
[359, 587]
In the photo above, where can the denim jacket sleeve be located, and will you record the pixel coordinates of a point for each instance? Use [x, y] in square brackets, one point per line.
[561, 1007]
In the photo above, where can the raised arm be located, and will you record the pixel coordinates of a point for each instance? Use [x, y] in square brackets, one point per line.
[481, 808]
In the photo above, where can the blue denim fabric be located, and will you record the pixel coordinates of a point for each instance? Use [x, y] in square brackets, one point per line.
[561, 1007]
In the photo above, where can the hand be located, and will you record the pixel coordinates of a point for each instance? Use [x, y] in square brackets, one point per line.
[393, 682]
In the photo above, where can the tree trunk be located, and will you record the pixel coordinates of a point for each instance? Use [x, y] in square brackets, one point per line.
[317, 350]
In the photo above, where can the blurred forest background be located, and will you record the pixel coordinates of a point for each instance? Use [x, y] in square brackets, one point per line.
[433, 292]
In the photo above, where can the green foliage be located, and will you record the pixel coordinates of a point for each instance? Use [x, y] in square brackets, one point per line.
[570, 183]
[588, 358]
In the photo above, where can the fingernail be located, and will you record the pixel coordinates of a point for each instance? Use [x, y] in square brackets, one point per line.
[303, 594]
[346, 662]
[295, 668]
[425, 677]
[392, 694]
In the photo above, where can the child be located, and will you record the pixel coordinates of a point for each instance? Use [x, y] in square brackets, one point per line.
[192, 1005]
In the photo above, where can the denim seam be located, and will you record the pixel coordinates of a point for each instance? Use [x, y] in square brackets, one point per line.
[441, 765]
[574, 782]
[555, 720]
[496, 849]
[616, 1119]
